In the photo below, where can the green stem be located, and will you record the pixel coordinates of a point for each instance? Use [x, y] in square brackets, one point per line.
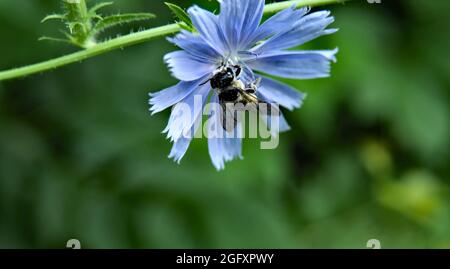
[131, 39]
[100, 48]
[275, 7]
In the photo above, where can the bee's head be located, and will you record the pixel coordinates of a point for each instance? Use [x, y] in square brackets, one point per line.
[223, 77]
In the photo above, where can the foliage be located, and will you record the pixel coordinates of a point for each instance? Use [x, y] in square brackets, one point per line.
[184, 19]
[85, 24]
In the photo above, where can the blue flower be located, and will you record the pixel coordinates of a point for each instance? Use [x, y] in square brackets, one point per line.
[236, 35]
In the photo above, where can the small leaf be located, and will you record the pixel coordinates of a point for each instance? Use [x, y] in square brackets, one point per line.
[47, 38]
[99, 6]
[185, 27]
[68, 36]
[54, 17]
[118, 19]
[182, 16]
[73, 25]
[95, 16]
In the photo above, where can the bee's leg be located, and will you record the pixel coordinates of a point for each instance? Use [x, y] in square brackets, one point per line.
[251, 88]
[238, 70]
[257, 82]
[203, 83]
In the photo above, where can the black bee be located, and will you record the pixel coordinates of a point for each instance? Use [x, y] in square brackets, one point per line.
[232, 91]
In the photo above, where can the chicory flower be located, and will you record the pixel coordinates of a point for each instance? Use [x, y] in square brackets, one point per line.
[236, 36]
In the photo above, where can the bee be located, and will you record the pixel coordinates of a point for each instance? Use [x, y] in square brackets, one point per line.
[235, 95]
[239, 93]
[224, 76]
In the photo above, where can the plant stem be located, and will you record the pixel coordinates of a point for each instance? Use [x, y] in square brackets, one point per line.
[131, 39]
[275, 7]
[100, 48]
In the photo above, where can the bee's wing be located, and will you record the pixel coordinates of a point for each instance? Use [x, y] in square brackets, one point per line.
[255, 104]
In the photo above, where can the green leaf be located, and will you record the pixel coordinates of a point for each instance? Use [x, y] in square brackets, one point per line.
[99, 6]
[47, 38]
[61, 17]
[95, 16]
[185, 27]
[182, 16]
[73, 26]
[118, 19]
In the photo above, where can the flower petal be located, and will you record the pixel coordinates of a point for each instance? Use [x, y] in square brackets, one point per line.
[207, 24]
[222, 146]
[195, 46]
[277, 123]
[281, 93]
[180, 146]
[185, 67]
[185, 113]
[239, 20]
[170, 96]
[307, 28]
[284, 19]
[280, 126]
[295, 64]
[179, 149]
[247, 75]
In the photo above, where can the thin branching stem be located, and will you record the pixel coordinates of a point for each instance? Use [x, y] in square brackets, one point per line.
[131, 39]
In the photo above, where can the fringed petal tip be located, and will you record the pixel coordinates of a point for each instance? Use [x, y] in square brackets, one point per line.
[219, 165]
[223, 150]
[175, 157]
[172, 135]
[333, 53]
[151, 97]
[302, 99]
[153, 103]
[179, 149]
[152, 110]
[299, 101]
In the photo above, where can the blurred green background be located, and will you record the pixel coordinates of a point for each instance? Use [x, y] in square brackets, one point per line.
[367, 157]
